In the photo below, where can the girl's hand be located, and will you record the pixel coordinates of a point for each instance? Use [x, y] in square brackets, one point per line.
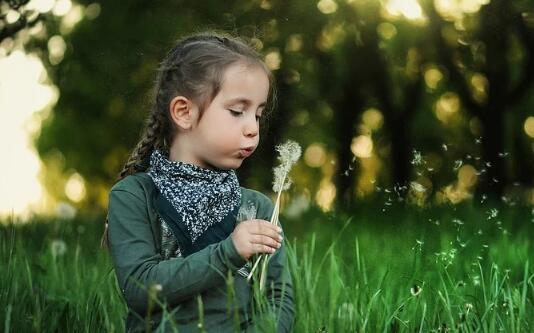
[256, 236]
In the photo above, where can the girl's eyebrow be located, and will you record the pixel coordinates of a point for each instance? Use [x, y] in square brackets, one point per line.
[244, 100]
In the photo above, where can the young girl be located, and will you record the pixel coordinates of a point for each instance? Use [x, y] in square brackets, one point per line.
[179, 223]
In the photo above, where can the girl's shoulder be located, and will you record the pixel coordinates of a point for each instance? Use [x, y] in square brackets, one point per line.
[138, 183]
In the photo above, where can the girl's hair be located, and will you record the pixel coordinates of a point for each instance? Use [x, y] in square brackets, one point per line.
[194, 68]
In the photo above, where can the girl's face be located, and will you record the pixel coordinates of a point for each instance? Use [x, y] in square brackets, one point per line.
[231, 122]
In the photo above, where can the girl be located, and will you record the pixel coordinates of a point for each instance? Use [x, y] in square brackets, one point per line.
[179, 224]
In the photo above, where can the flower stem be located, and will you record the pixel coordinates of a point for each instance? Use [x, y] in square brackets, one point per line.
[274, 220]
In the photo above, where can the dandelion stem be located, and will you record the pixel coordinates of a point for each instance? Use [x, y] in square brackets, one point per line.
[274, 218]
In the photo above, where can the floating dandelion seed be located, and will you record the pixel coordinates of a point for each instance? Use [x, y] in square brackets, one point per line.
[417, 187]
[457, 221]
[418, 244]
[444, 146]
[417, 158]
[457, 164]
[492, 213]
[503, 155]
[478, 140]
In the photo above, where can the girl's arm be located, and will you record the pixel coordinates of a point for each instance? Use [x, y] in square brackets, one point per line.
[137, 261]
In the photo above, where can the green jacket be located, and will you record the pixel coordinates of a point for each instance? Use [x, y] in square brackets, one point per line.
[135, 239]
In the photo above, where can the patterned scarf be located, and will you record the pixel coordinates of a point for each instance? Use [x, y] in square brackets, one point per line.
[201, 196]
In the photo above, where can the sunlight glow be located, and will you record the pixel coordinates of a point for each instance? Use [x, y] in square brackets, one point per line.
[432, 77]
[447, 106]
[456, 9]
[373, 119]
[315, 155]
[41, 6]
[22, 76]
[362, 146]
[410, 9]
[529, 127]
[273, 60]
[327, 6]
[325, 195]
[75, 187]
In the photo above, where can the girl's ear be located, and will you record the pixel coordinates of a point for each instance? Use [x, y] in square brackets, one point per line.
[183, 112]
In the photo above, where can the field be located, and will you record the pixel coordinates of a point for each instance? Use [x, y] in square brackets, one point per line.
[454, 268]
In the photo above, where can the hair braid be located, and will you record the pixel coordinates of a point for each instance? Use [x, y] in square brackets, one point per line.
[153, 138]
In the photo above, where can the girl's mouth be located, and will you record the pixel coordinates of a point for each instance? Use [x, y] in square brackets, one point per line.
[246, 152]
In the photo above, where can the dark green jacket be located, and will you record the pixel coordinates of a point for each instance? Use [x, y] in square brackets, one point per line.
[135, 247]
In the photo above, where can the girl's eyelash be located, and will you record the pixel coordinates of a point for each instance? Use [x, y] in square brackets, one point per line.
[237, 113]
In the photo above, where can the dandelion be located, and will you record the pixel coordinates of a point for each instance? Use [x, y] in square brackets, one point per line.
[289, 154]
[415, 290]
[468, 307]
[58, 248]
[346, 310]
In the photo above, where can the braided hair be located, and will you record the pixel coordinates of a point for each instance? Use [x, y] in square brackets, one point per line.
[194, 68]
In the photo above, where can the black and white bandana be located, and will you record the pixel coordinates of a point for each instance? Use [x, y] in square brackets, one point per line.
[202, 196]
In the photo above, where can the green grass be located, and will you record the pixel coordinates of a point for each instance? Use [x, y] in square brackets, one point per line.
[403, 270]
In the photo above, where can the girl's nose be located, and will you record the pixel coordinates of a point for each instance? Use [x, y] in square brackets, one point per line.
[251, 127]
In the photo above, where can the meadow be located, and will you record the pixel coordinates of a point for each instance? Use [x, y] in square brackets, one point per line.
[444, 269]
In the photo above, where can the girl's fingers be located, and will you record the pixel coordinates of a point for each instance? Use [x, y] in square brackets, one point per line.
[265, 228]
[264, 240]
[260, 248]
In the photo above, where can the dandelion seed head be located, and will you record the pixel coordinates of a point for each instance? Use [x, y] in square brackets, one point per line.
[415, 290]
[58, 248]
[290, 152]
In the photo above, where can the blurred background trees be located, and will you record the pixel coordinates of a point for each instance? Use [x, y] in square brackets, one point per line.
[427, 101]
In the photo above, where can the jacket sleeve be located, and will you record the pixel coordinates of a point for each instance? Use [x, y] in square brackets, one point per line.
[139, 265]
[279, 286]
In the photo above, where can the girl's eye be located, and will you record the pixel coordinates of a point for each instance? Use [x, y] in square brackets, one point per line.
[237, 113]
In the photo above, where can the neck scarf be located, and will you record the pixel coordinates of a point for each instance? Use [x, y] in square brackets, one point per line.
[201, 196]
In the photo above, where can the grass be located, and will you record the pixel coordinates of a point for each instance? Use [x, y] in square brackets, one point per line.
[403, 270]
